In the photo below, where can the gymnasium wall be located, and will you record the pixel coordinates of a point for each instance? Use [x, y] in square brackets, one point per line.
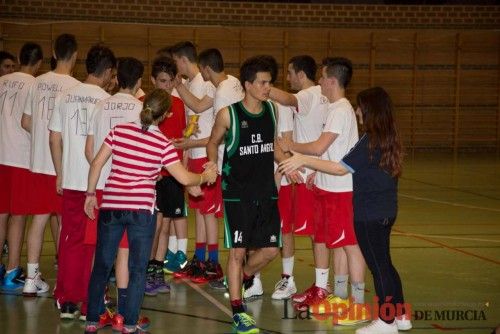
[247, 13]
[440, 63]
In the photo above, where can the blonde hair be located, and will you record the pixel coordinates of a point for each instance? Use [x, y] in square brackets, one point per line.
[156, 104]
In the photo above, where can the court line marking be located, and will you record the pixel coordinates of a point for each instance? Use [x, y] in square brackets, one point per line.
[219, 305]
[449, 203]
[450, 247]
[208, 297]
[444, 237]
[465, 191]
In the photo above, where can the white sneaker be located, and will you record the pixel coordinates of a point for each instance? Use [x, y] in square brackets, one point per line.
[255, 290]
[404, 323]
[285, 288]
[35, 286]
[378, 327]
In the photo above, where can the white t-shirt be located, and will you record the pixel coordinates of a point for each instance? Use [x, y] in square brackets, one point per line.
[310, 117]
[117, 109]
[199, 88]
[41, 102]
[227, 92]
[73, 111]
[342, 121]
[285, 124]
[15, 142]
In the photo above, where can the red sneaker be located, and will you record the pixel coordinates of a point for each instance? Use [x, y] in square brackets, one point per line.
[317, 296]
[188, 270]
[212, 272]
[117, 323]
[143, 323]
[106, 319]
[199, 274]
[216, 273]
[300, 297]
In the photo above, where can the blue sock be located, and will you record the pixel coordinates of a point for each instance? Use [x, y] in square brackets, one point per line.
[200, 250]
[213, 253]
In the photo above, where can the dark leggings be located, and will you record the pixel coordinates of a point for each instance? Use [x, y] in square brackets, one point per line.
[374, 241]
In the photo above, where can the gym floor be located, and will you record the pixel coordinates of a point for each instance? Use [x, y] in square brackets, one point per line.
[445, 245]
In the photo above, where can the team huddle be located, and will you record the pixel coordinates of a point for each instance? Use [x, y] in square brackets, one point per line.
[109, 166]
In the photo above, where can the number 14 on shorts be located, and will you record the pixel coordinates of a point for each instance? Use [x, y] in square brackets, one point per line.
[238, 236]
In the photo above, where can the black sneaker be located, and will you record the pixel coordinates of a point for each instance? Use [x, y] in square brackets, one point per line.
[69, 310]
[188, 270]
[219, 284]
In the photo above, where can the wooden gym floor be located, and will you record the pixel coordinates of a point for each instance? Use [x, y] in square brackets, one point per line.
[445, 245]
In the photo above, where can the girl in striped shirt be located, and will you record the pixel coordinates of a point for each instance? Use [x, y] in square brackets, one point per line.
[138, 151]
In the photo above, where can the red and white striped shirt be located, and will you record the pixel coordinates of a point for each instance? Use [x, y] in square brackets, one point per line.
[137, 158]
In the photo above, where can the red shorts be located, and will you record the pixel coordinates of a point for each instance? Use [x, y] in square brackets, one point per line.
[210, 201]
[44, 195]
[91, 227]
[5, 181]
[303, 203]
[15, 192]
[333, 219]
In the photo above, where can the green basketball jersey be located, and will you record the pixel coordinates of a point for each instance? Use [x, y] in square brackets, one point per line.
[248, 164]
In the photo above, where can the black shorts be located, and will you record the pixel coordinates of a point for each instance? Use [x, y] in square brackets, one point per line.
[251, 224]
[170, 199]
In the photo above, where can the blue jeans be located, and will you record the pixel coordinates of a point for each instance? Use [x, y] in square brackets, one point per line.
[140, 227]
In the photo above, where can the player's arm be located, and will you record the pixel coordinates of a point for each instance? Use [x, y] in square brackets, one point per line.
[56, 151]
[283, 97]
[279, 154]
[26, 122]
[317, 147]
[279, 175]
[89, 148]
[94, 173]
[298, 160]
[222, 124]
[187, 143]
[194, 103]
[186, 178]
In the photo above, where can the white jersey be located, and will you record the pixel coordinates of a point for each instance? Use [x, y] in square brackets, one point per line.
[227, 92]
[41, 101]
[15, 142]
[117, 109]
[199, 88]
[285, 124]
[310, 117]
[72, 113]
[341, 120]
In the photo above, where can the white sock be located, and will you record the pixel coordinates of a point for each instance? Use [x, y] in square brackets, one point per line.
[288, 265]
[340, 286]
[32, 269]
[358, 292]
[257, 275]
[322, 278]
[172, 244]
[182, 245]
